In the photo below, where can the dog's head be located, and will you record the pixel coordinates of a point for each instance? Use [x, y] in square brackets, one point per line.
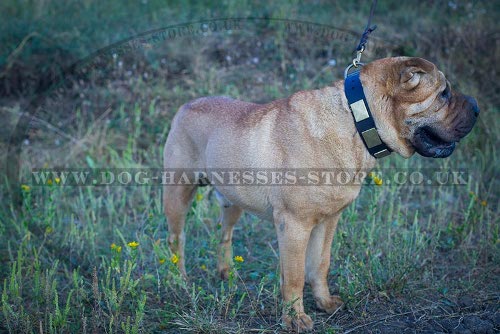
[416, 109]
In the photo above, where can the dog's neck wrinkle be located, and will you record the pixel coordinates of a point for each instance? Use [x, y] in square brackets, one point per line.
[384, 115]
[355, 154]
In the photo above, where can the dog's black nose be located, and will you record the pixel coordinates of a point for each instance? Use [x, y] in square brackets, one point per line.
[473, 105]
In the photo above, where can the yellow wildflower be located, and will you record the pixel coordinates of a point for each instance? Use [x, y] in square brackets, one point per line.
[174, 259]
[48, 230]
[377, 180]
[49, 182]
[203, 267]
[484, 203]
[162, 261]
[133, 244]
[239, 258]
[116, 248]
[25, 187]
[199, 197]
[58, 180]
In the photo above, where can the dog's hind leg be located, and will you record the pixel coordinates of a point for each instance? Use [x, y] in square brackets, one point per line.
[176, 202]
[230, 214]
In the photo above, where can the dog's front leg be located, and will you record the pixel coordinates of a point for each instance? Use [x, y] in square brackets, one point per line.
[318, 263]
[293, 236]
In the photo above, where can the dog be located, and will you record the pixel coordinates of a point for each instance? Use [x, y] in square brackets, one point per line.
[414, 110]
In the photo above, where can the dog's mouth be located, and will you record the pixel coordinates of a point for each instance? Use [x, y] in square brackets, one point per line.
[429, 144]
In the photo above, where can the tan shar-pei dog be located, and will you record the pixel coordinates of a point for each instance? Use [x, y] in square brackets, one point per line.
[414, 110]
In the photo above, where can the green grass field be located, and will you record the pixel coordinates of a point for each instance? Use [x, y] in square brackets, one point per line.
[95, 259]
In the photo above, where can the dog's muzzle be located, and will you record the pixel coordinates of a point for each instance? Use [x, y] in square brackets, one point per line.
[429, 144]
[428, 141]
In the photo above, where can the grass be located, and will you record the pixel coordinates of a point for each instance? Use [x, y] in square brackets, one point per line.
[70, 262]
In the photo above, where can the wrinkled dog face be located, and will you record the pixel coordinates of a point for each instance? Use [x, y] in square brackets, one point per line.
[435, 117]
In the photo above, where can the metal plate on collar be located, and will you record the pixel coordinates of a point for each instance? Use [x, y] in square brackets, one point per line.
[359, 110]
[381, 154]
[371, 137]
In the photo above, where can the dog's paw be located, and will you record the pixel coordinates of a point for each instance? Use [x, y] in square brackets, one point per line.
[300, 323]
[224, 273]
[330, 304]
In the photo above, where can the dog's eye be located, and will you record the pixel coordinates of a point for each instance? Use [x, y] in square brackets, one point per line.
[445, 93]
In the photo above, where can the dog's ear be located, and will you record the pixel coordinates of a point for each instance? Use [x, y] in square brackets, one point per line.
[412, 71]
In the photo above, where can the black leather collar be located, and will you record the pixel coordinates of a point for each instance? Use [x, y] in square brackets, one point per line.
[363, 117]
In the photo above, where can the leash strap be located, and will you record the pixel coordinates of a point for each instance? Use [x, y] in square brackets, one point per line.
[368, 29]
[363, 117]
